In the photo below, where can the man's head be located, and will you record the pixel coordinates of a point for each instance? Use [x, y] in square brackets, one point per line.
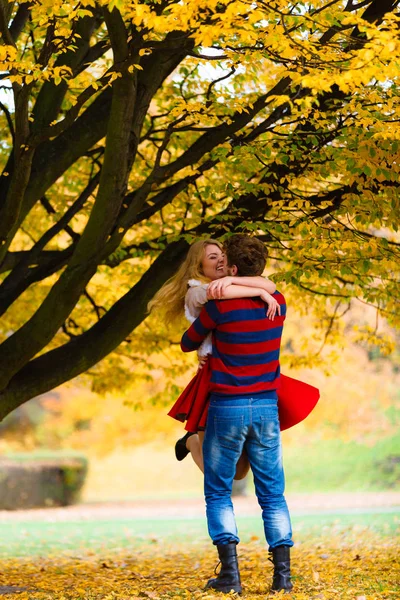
[246, 256]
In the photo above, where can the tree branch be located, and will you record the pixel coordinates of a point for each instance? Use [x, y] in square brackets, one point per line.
[20, 19]
[5, 14]
[78, 355]
[38, 331]
[24, 274]
[9, 121]
[49, 101]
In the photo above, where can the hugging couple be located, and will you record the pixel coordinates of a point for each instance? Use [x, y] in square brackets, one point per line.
[231, 405]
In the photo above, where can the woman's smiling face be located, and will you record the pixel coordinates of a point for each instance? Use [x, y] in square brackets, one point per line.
[214, 262]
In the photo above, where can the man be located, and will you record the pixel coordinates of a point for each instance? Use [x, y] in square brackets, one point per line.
[243, 414]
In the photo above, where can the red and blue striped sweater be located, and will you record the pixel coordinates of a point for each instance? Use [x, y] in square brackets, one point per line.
[246, 344]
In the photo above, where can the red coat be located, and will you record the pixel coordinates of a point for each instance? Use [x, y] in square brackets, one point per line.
[296, 400]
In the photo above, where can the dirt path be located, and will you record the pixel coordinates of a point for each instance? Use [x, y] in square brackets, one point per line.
[194, 507]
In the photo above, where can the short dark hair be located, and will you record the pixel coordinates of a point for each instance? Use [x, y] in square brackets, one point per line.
[248, 254]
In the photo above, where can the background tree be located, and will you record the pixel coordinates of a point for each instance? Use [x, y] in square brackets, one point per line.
[134, 127]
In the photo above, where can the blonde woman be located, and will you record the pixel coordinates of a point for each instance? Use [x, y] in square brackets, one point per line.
[185, 294]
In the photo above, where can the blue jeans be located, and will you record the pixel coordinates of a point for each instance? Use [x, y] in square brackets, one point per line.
[234, 424]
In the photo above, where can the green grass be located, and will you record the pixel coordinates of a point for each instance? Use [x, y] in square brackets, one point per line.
[151, 471]
[43, 454]
[42, 538]
[334, 465]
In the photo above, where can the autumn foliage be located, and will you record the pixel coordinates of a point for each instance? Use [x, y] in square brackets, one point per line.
[129, 128]
[357, 571]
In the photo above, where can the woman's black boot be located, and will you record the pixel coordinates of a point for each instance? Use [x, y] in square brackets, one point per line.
[180, 447]
[228, 578]
[281, 561]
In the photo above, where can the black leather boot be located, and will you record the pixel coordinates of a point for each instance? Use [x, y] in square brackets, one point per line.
[281, 561]
[228, 578]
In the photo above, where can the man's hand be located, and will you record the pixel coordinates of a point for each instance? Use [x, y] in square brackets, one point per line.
[273, 306]
[216, 288]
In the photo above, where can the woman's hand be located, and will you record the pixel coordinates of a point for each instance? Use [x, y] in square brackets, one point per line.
[273, 306]
[216, 288]
[202, 361]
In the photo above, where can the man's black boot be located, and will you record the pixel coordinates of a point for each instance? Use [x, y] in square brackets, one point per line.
[228, 578]
[281, 561]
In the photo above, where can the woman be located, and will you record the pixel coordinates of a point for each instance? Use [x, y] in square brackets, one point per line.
[185, 294]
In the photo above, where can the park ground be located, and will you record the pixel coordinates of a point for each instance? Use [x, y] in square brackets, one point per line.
[346, 546]
[140, 531]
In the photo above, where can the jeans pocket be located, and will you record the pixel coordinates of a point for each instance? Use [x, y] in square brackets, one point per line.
[229, 431]
[270, 431]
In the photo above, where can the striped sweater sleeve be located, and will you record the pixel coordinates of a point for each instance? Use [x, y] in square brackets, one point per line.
[201, 327]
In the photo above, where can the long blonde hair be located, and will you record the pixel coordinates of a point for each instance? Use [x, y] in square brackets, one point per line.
[170, 299]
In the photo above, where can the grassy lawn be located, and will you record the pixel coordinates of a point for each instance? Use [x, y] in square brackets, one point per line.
[339, 466]
[349, 556]
[151, 470]
[29, 538]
